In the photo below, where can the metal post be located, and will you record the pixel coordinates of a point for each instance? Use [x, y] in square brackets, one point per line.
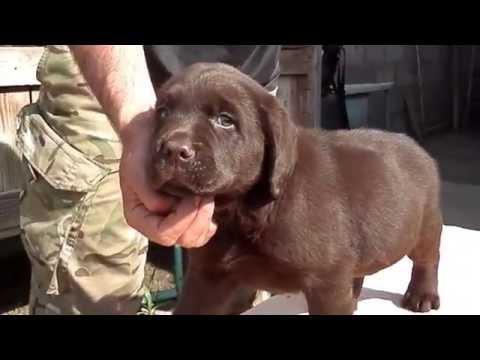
[387, 110]
[178, 268]
[172, 294]
[420, 87]
[470, 84]
[456, 115]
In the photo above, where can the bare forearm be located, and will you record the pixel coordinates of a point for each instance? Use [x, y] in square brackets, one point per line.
[118, 76]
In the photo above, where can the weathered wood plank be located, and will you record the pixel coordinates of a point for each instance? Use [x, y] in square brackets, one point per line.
[10, 105]
[18, 65]
[34, 95]
[315, 78]
[303, 94]
[296, 61]
[300, 83]
[294, 95]
[286, 96]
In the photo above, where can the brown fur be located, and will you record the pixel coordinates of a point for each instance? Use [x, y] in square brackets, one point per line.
[298, 210]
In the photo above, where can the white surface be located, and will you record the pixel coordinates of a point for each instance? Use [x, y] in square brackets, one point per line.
[459, 283]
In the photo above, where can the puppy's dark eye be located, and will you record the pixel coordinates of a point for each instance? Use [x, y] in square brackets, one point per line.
[224, 121]
[162, 112]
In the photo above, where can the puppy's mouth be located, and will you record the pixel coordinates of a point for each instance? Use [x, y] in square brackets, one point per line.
[182, 183]
[172, 188]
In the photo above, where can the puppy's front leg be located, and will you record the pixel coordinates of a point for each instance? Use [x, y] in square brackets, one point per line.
[333, 299]
[204, 294]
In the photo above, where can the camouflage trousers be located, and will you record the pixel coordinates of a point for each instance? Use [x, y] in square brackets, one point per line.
[85, 258]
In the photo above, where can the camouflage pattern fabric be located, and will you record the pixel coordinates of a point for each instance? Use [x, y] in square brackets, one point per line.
[85, 258]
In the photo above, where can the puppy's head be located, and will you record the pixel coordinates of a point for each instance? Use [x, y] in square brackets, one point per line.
[219, 133]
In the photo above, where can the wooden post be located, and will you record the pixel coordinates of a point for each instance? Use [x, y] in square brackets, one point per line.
[300, 83]
[316, 93]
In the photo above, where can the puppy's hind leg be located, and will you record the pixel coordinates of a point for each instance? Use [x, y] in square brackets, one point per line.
[422, 293]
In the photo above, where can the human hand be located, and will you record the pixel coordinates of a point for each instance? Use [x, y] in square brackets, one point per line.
[163, 219]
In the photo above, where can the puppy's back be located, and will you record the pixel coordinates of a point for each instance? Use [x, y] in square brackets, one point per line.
[397, 153]
[381, 180]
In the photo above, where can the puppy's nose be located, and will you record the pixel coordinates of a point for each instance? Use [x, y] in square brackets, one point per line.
[177, 149]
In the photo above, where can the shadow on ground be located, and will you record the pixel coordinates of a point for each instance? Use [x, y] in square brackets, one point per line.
[394, 298]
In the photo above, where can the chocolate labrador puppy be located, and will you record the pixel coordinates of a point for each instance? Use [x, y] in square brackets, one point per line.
[299, 210]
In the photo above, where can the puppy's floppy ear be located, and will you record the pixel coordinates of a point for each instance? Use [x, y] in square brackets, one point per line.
[280, 145]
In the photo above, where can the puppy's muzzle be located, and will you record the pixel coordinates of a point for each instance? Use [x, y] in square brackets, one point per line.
[176, 149]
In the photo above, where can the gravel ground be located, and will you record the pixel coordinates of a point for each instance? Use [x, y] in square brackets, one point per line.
[18, 311]
[15, 277]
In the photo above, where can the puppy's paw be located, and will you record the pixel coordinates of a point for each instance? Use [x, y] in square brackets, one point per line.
[421, 301]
